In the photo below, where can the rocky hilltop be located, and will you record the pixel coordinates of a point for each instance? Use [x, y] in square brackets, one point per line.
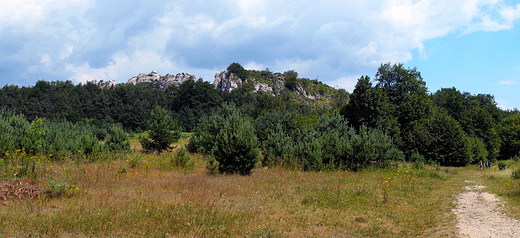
[227, 81]
[224, 80]
[163, 81]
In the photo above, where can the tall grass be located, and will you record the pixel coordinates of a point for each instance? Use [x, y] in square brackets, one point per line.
[148, 200]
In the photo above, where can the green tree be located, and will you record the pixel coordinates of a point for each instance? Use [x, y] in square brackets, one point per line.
[509, 131]
[368, 106]
[117, 139]
[230, 138]
[440, 139]
[340, 98]
[238, 70]
[162, 131]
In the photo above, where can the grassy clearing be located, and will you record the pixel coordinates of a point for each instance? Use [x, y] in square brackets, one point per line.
[501, 183]
[149, 197]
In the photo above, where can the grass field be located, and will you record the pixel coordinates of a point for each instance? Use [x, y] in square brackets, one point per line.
[144, 195]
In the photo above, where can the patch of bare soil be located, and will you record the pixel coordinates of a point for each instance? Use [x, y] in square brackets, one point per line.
[480, 214]
[22, 190]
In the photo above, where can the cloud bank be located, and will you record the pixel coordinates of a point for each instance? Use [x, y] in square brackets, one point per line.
[334, 40]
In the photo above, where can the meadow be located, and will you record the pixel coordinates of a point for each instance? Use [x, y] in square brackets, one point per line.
[139, 194]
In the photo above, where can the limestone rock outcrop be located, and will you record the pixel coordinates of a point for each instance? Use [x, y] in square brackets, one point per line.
[226, 81]
[104, 84]
[163, 81]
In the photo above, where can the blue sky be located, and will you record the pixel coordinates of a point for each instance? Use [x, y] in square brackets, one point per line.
[467, 44]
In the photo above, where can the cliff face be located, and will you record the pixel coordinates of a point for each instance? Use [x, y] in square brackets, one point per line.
[227, 81]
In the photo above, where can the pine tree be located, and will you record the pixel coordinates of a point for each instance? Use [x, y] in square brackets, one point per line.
[162, 131]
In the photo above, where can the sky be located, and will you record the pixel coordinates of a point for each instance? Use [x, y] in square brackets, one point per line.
[472, 45]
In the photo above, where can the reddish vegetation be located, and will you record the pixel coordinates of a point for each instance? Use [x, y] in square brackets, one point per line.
[26, 189]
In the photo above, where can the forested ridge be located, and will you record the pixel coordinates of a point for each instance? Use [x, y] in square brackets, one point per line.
[390, 117]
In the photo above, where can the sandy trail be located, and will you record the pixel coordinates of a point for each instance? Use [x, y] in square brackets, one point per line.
[479, 214]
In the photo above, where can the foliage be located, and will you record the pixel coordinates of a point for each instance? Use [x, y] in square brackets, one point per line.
[238, 70]
[212, 165]
[134, 161]
[501, 165]
[368, 106]
[182, 159]
[440, 139]
[372, 148]
[162, 131]
[57, 190]
[308, 150]
[290, 79]
[509, 130]
[278, 148]
[515, 174]
[477, 114]
[117, 140]
[59, 139]
[418, 161]
[230, 138]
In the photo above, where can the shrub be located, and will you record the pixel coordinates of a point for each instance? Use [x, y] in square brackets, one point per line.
[501, 165]
[418, 161]
[117, 140]
[238, 70]
[134, 161]
[308, 150]
[57, 190]
[516, 174]
[372, 147]
[162, 131]
[230, 138]
[212, 165]
[278, 148]
[182, 159]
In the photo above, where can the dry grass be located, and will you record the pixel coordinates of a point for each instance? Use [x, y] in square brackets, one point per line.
[155, 200]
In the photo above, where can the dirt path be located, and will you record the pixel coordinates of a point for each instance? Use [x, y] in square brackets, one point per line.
[479, 214]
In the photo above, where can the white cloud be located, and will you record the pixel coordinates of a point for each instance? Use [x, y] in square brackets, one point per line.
[347, 83]
[508, 82]
[504, 104]
[35, 13]
[336, 40]
[254, 66]
[122, 67]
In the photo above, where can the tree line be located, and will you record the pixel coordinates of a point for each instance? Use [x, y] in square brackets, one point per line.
[388, 118]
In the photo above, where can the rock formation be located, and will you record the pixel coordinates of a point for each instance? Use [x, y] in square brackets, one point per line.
[224, 81]
[103, 84]
[163, 81]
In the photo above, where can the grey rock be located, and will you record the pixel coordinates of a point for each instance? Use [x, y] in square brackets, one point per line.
[226, 81]
[104, 84]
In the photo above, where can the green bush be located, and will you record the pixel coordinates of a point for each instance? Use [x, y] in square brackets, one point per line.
[162, 131]
[212, 165]
[502, 165]
[117, 140]
[59, 139]
[278, 149]
[418, 161]
[182, 159]
[372, 147]
[134, 161]
[230, 138]
[57, 190]
[515, 174]
[308, 150]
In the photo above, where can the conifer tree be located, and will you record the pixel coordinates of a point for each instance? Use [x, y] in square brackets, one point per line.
[162, 131]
